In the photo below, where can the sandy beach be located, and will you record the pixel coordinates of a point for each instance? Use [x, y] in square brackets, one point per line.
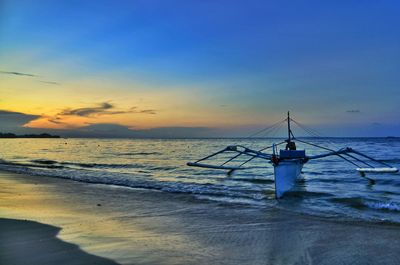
[27, 242]
[79, 223]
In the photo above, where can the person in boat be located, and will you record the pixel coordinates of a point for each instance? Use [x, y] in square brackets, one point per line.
[290, 145]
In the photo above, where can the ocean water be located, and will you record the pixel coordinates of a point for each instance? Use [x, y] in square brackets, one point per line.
[329, 187]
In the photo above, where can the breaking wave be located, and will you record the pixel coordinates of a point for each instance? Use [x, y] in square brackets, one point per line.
[360, 203]
[386, 206]
[130, 181]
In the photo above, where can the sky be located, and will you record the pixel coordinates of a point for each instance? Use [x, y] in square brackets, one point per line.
[199, 68]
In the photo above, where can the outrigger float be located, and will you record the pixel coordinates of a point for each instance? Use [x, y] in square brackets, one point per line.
[288, 163]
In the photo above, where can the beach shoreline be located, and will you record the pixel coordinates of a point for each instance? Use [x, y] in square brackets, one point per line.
[133, 226]
[28, 242]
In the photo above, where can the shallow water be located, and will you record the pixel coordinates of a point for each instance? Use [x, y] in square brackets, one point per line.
[329, 187]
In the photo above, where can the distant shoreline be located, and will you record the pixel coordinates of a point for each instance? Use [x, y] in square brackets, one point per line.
[12, 136]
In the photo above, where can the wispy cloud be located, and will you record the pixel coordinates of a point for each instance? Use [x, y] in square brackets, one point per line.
[50, 82]
[17, 73]
[102, 108]
[54, 119]
[29, 75]
[148, 111]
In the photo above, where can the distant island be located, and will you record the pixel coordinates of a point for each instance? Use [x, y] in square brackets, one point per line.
[43, 135]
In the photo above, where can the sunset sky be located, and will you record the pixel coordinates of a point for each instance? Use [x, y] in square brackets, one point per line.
[199, 68]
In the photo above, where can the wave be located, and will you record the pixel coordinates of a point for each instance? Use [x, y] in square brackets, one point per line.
[354, 202]
[58, 164]
[44, 161]
[135, 154]
[306, 194]
[100, 165]
[360, 203]
[19, 164]
[229, 200]
[393, 161]
[140, 154]
[137, 181]
[386, 206]
[254, 180]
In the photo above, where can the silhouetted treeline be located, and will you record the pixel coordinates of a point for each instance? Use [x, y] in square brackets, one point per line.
[43, 135]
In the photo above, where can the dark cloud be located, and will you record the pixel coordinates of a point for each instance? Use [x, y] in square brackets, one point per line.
[54, 119]
[17, 73]
[50, 82]
[14, 113]
[102, 108]
[29, 75]
[6, 112]
[148, 111]
[353, 111]
[13, 122]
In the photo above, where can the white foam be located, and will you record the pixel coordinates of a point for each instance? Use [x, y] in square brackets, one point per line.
[391, 206]
[378, 169]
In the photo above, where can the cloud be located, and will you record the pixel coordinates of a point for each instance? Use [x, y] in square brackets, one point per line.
[353, 111]
[54, 119]
[148, 111]
[104, 108]
[50, 82]
[17, 73]
[29, 75]
[14, 113]
[14, 121]
[101, 108]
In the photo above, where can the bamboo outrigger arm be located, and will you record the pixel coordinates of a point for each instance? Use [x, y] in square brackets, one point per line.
[288, 162]
[238, 150]
[346, 153]
[195, 164]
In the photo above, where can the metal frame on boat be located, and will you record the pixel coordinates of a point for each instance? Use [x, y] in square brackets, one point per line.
[288, 162]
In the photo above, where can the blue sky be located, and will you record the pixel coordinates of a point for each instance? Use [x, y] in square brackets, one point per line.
[233, 66]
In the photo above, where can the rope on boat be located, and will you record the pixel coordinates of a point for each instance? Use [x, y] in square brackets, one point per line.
[263, 149]
[345, 153]
[348, 152]
[316, 134]
[333, 152]
[266, 129]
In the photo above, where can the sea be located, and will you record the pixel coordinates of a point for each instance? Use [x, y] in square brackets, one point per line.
[328, 187]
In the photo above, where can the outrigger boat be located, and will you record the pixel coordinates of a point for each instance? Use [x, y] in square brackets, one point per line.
[288, 163]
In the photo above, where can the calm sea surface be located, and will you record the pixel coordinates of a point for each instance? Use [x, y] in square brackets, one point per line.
[329, 187]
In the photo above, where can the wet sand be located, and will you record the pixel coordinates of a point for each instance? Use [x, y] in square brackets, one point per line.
[27, 242]
[132, 226]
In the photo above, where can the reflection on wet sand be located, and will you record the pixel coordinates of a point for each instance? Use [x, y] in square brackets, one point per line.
[133, 226]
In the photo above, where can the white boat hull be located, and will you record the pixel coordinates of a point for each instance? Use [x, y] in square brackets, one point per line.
[286, 173]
